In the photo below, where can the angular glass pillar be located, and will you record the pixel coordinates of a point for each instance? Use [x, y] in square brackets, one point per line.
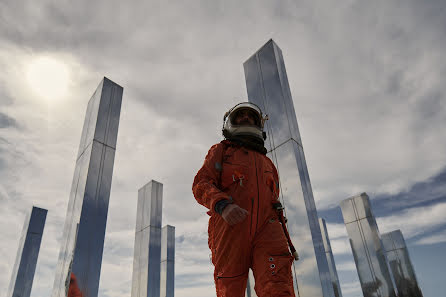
[167, 285]
[85, 222]
[147, 251]
[368, 252]
[267, 85]
[27, 254]
[330, 259]
[400, 264]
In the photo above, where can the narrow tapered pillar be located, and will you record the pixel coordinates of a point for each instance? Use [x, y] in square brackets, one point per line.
[267, 85]
[167, 284]
[27, 254]
[400, 264]
[147, 251]
[368, 252]
[82, 244]
[330, 259]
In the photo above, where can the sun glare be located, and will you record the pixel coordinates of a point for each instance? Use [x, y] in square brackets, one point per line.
[48, 78]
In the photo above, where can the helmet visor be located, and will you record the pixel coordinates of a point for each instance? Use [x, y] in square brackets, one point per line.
[246, 114]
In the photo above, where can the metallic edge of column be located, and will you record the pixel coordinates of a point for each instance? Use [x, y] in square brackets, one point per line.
[27, 253]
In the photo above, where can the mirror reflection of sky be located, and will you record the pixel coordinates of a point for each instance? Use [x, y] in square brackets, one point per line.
[367, 82]
[419, 213]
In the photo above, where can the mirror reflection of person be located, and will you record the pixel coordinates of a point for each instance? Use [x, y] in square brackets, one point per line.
[73, 289]
[239, 185]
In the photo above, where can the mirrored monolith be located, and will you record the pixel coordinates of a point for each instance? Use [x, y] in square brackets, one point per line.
[27, 254]
[147, 251]
[330, 259]
[400, 264]
[80, 255]
[267, 85]
[167, 284]
[368, 252]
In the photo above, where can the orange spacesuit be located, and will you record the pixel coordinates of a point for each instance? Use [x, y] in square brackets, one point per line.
[73, 290]
[247, 178]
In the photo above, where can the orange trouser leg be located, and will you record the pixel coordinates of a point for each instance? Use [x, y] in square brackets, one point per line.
[231, 286]
[230, 255]
[271, 262]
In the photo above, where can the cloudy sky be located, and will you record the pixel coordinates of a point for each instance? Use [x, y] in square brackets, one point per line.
[367, 80]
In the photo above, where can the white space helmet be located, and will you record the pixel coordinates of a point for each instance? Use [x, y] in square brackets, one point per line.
[231, 129]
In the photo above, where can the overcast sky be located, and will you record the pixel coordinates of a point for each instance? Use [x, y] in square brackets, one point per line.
[367, 80]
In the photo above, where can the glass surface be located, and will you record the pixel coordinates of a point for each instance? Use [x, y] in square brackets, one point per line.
[27, 254]
[268, 87]
[368, 251]
[108, 113]
[387, 241]
[363, 265]
[348, 211]
[273, 95]
[287, 98]
[90, 119]
[256, 95]
[377, 257]
[362, 206]
[400, 264]
[167, 285]
[147, 252]
[330, 259]
[85, 223]
[310, 275]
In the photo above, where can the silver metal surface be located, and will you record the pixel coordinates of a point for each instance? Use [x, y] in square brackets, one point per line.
[267, 85]
[147, 253]
[27, 254]
[167, 285]
[330, 259]
[367, 248]
[250, 292]
[84, 229]
[400, 264]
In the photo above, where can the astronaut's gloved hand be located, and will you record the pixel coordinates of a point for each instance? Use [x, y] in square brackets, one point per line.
[234, 214]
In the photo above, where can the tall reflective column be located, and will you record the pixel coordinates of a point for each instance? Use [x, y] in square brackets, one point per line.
[368, 252]
[267, 85]
[27, 254]
[330, 259]
[167, 285]
[85, 222]
[147, 251]
[400, 264]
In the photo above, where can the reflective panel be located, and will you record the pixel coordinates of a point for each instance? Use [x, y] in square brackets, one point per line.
[267, 86]
[27, 254]
[400, 264]
[250, 292]
[84, 229]
[167, 284]
[330, 259]
[147, 253]
[362, 206]
[367, 248]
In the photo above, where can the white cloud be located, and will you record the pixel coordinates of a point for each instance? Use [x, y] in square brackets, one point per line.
[439, 237]
[414, 221]
[367, 90]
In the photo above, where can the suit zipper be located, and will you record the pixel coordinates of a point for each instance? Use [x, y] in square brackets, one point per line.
[218, 277]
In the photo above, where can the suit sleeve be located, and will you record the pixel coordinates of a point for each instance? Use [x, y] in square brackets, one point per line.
[205, 186]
